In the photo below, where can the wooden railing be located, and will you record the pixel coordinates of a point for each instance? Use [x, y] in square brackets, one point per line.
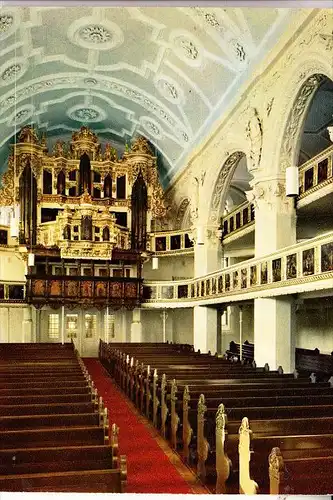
[171, 241]
[316, 173]
[81, 290]
[241, 217]
[304, 262]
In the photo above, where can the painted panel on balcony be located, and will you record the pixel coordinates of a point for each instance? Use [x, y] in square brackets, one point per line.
[327, 257]
[308, 262]
[291, 271]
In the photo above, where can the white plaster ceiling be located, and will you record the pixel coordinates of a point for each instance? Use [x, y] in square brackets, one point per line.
[163, 72]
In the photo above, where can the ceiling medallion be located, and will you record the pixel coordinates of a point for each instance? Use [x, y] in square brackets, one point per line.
[187, 48]
[86, 114]
[10, 73]
[6, 22]
[95, 34]
[100, 35]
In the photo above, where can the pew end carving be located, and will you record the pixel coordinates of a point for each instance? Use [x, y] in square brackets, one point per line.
[246, 485]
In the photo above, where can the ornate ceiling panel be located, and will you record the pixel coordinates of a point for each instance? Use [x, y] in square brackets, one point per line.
[162, 72]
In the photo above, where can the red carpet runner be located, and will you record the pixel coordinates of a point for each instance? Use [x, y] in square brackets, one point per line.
[148, 467]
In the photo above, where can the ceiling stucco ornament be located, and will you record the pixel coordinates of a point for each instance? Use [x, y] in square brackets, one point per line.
[22, 115]
[86, 114]
[151, 127]
[187, 48]
[99, 35]
[169, 89]
[9, 22]
[12, 70]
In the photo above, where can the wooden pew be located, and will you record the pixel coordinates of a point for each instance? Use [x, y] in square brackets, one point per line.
[302, 475]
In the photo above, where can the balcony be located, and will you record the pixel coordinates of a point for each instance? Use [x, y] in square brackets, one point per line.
[297, 268]
[171, 242]
[13, 292]
[239, 222]
[316, 177]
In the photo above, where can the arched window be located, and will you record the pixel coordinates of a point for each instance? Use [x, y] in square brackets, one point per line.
[67, 232]
[106, 233]
[139, 213]
[28, 206]
[85, 174]
[61, 183]
[108, 186]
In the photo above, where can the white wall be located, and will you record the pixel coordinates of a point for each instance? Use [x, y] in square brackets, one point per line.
[12, 267]
[11, 323]
[181, 266]
[183, 326]
[315, 328]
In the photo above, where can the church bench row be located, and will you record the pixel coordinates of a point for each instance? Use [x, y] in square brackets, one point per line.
[306, 360]
[300, 474]
[56, 437]
[285, 399]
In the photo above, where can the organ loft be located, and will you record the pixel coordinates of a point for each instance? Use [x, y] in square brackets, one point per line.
[82, 218]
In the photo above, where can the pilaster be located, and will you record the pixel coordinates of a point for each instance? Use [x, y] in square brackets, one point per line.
[205, 329]
[136, 326]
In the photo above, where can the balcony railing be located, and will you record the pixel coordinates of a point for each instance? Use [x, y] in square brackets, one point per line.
[171, 241]
[316, 173]
[241, 217]
[301, 263]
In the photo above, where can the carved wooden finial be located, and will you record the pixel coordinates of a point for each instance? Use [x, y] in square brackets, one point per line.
[132, 362]
[313, 378]
[296, 374]
[174, 389]
[276, 471]
[254, 364]
[280, 370]
[201, 406]
[221, 418]
[163, 382]
[266, 367]
[245, 426]
[186, 395]
[155, 374]
[330, 381]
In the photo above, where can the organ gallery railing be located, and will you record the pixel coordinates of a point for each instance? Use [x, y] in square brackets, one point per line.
[304, 262]
[97, 292]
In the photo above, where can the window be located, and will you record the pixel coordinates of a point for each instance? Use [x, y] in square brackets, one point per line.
[90, 325]
[53, 327]
[71, 325]
[109, 327]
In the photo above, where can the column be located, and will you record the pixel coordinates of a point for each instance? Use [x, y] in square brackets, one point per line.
[275, 217]
[274, 318]
[205, 329]
[4, 325]
[164, 317]
[136, 326]
[27, 325]
[207, 250]
[274, 333]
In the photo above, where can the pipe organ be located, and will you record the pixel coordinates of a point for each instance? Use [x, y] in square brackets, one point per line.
[82, 207]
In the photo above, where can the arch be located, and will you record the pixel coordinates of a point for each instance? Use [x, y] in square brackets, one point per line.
[221, 185]
[292, 105]
[183, 217]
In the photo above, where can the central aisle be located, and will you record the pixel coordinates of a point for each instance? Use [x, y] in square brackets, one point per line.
[149, 469]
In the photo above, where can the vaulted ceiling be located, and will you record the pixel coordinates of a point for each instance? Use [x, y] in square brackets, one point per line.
[163, 72]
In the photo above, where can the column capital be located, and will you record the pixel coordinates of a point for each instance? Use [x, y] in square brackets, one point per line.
[270, 194]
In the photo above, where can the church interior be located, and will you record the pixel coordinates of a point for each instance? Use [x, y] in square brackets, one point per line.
[166, 249]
